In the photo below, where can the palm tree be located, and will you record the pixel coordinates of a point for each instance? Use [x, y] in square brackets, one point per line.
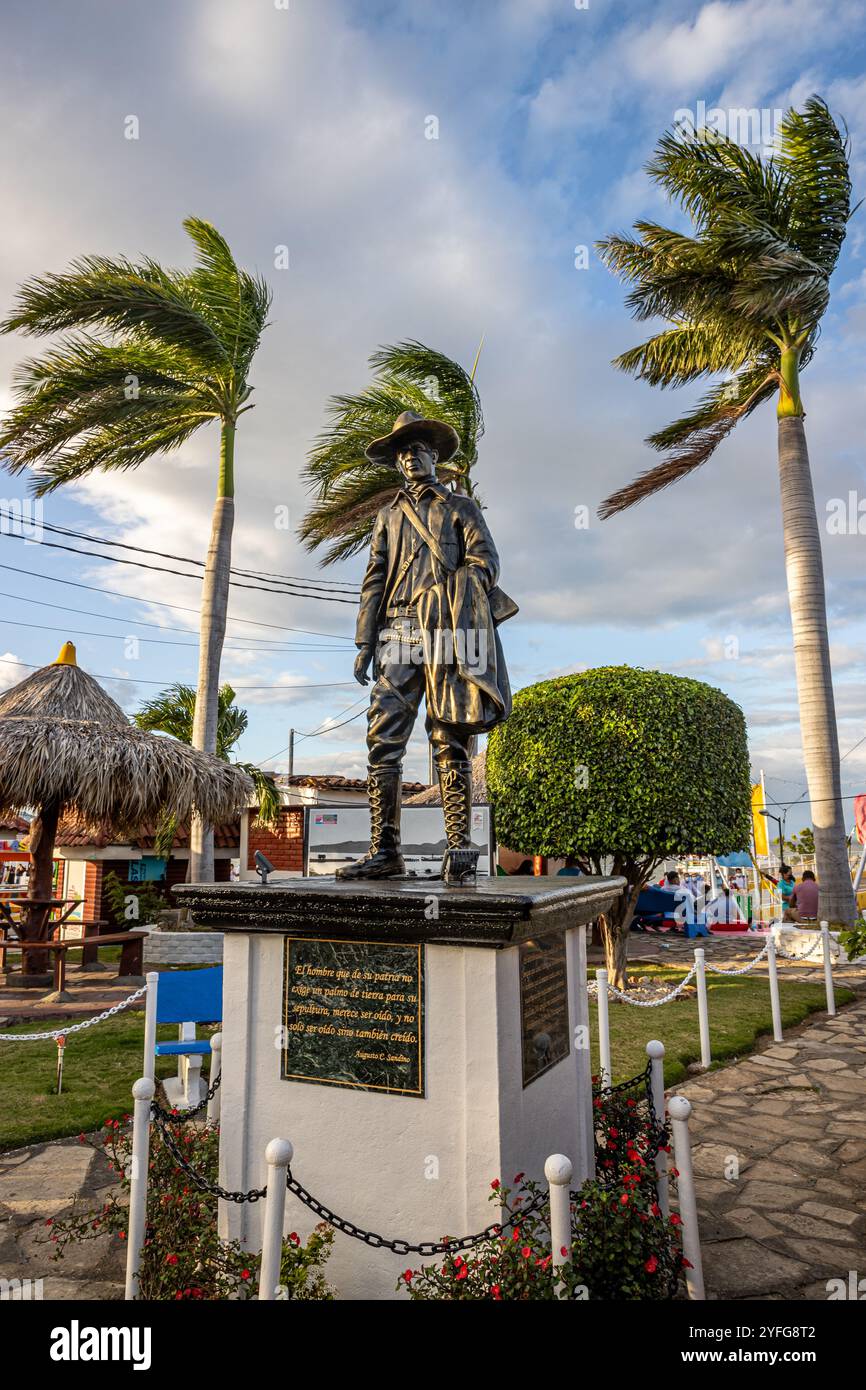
[744, 296]
[173, 712]
[348, 489]
[171, 351]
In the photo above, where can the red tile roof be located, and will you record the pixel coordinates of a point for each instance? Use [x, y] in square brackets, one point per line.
[73, 834]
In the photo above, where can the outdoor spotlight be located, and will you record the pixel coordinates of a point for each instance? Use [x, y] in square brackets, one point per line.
[263, 866]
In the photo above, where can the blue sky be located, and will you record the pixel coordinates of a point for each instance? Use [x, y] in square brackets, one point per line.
[306, 126]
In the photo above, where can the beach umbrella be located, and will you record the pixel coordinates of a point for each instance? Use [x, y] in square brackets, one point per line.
[66, 746]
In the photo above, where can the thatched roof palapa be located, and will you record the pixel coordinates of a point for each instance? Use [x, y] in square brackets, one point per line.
[63, 739]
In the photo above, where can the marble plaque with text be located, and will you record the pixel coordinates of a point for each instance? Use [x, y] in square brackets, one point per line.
[353, 1014]
[543, 1004]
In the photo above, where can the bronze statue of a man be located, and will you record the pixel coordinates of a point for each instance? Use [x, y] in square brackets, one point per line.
[427, 622]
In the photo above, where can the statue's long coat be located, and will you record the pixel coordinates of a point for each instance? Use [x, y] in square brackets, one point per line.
[466, 680]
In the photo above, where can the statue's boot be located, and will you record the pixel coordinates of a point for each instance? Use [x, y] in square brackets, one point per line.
[455, 784]
[383, 859]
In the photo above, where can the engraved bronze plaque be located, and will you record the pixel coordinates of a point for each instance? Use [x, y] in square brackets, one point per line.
[353, 1014]
[543, 1004]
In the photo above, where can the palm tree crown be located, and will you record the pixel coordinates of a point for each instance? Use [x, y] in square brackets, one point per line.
[347, 488]
[173, 712]
[744, 295]
[175, 351]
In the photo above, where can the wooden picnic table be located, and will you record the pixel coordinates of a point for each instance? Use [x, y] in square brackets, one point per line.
[46, 907]
[130, 957]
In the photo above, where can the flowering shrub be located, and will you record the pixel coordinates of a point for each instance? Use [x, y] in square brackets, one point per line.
[621, 1245]
[183, 1256]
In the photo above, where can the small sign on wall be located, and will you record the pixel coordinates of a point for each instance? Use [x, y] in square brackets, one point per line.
[543, 1004]
[353, 1014]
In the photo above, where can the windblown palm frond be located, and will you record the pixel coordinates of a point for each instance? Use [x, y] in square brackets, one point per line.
[745, 293]
[173, 712]
[346, 488]
[176, 354]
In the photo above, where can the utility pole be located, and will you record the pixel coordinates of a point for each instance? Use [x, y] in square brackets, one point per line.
[291, 752]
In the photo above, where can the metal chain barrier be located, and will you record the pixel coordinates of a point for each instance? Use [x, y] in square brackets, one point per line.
[74, 1027]
[164, 1119]
[405, 1247]
[646, 1003]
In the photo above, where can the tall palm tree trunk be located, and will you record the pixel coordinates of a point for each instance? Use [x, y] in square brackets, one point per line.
[805, 572]
[214, 607]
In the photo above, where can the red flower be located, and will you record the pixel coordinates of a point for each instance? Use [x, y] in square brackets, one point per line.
[675, 1220]
[463, 1273]
[651, 1265]
[623, 1201]
[564, 1250]
[614, 1133]
[631, 1104]
[526, 1252]
[687, 1264]
[50, 1221]
[245, 1274]
[171, 1259]
[656, 1209]
[121, 1235]
[407, 1275]
[495, 1291]
[515, 1234]
[495, 1184]
[295, 1238]
[518, 1177]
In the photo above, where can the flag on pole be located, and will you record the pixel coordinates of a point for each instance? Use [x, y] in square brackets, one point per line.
[759, 822]
[860, 818]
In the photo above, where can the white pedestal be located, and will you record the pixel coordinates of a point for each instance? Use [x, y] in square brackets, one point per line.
[402, 1166]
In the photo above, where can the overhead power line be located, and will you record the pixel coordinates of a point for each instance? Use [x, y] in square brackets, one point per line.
[167, 642]
[160, 603]
[139, 680]
[336, 584]
[164, 569]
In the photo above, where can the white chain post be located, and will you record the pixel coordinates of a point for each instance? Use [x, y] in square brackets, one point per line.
[775, 1001]
[142, 1093]
[655, 1050]
[152, 978]
[828, 968]
[558, 1171]
[216, 1061]
[604, 1067]
[278, 1156]
[703, 1005]
[679, 1110]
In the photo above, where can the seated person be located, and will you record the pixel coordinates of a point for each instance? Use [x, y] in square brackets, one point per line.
[786, 885]
[724, 909]
[804, 900]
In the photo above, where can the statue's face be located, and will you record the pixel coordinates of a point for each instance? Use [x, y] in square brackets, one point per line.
[416, 460]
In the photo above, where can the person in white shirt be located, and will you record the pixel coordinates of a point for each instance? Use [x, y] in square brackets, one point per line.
[724, 909]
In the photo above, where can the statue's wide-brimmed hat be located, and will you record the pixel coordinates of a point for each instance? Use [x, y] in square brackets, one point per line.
[441, 437]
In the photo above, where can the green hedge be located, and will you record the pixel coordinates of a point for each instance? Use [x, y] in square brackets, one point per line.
[621, 761]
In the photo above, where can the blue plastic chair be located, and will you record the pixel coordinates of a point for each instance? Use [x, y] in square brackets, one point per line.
[188, 997]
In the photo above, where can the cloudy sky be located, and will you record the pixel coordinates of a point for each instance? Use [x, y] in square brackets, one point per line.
[306, 125]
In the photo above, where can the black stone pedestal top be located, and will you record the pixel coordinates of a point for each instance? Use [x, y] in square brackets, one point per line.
[491, 912]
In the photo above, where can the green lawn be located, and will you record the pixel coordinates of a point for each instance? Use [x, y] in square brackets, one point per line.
[101, 1063]
[739, 1013]
[99, 1067]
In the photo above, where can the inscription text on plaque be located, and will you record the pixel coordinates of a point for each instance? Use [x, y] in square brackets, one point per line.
[353, 1014]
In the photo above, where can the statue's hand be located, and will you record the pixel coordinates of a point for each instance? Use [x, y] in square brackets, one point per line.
[362, 665]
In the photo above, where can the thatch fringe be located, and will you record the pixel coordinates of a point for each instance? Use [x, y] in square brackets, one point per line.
[116, 773]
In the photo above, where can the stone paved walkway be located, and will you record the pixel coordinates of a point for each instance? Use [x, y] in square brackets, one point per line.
[36, 1183]
[779, 1149]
